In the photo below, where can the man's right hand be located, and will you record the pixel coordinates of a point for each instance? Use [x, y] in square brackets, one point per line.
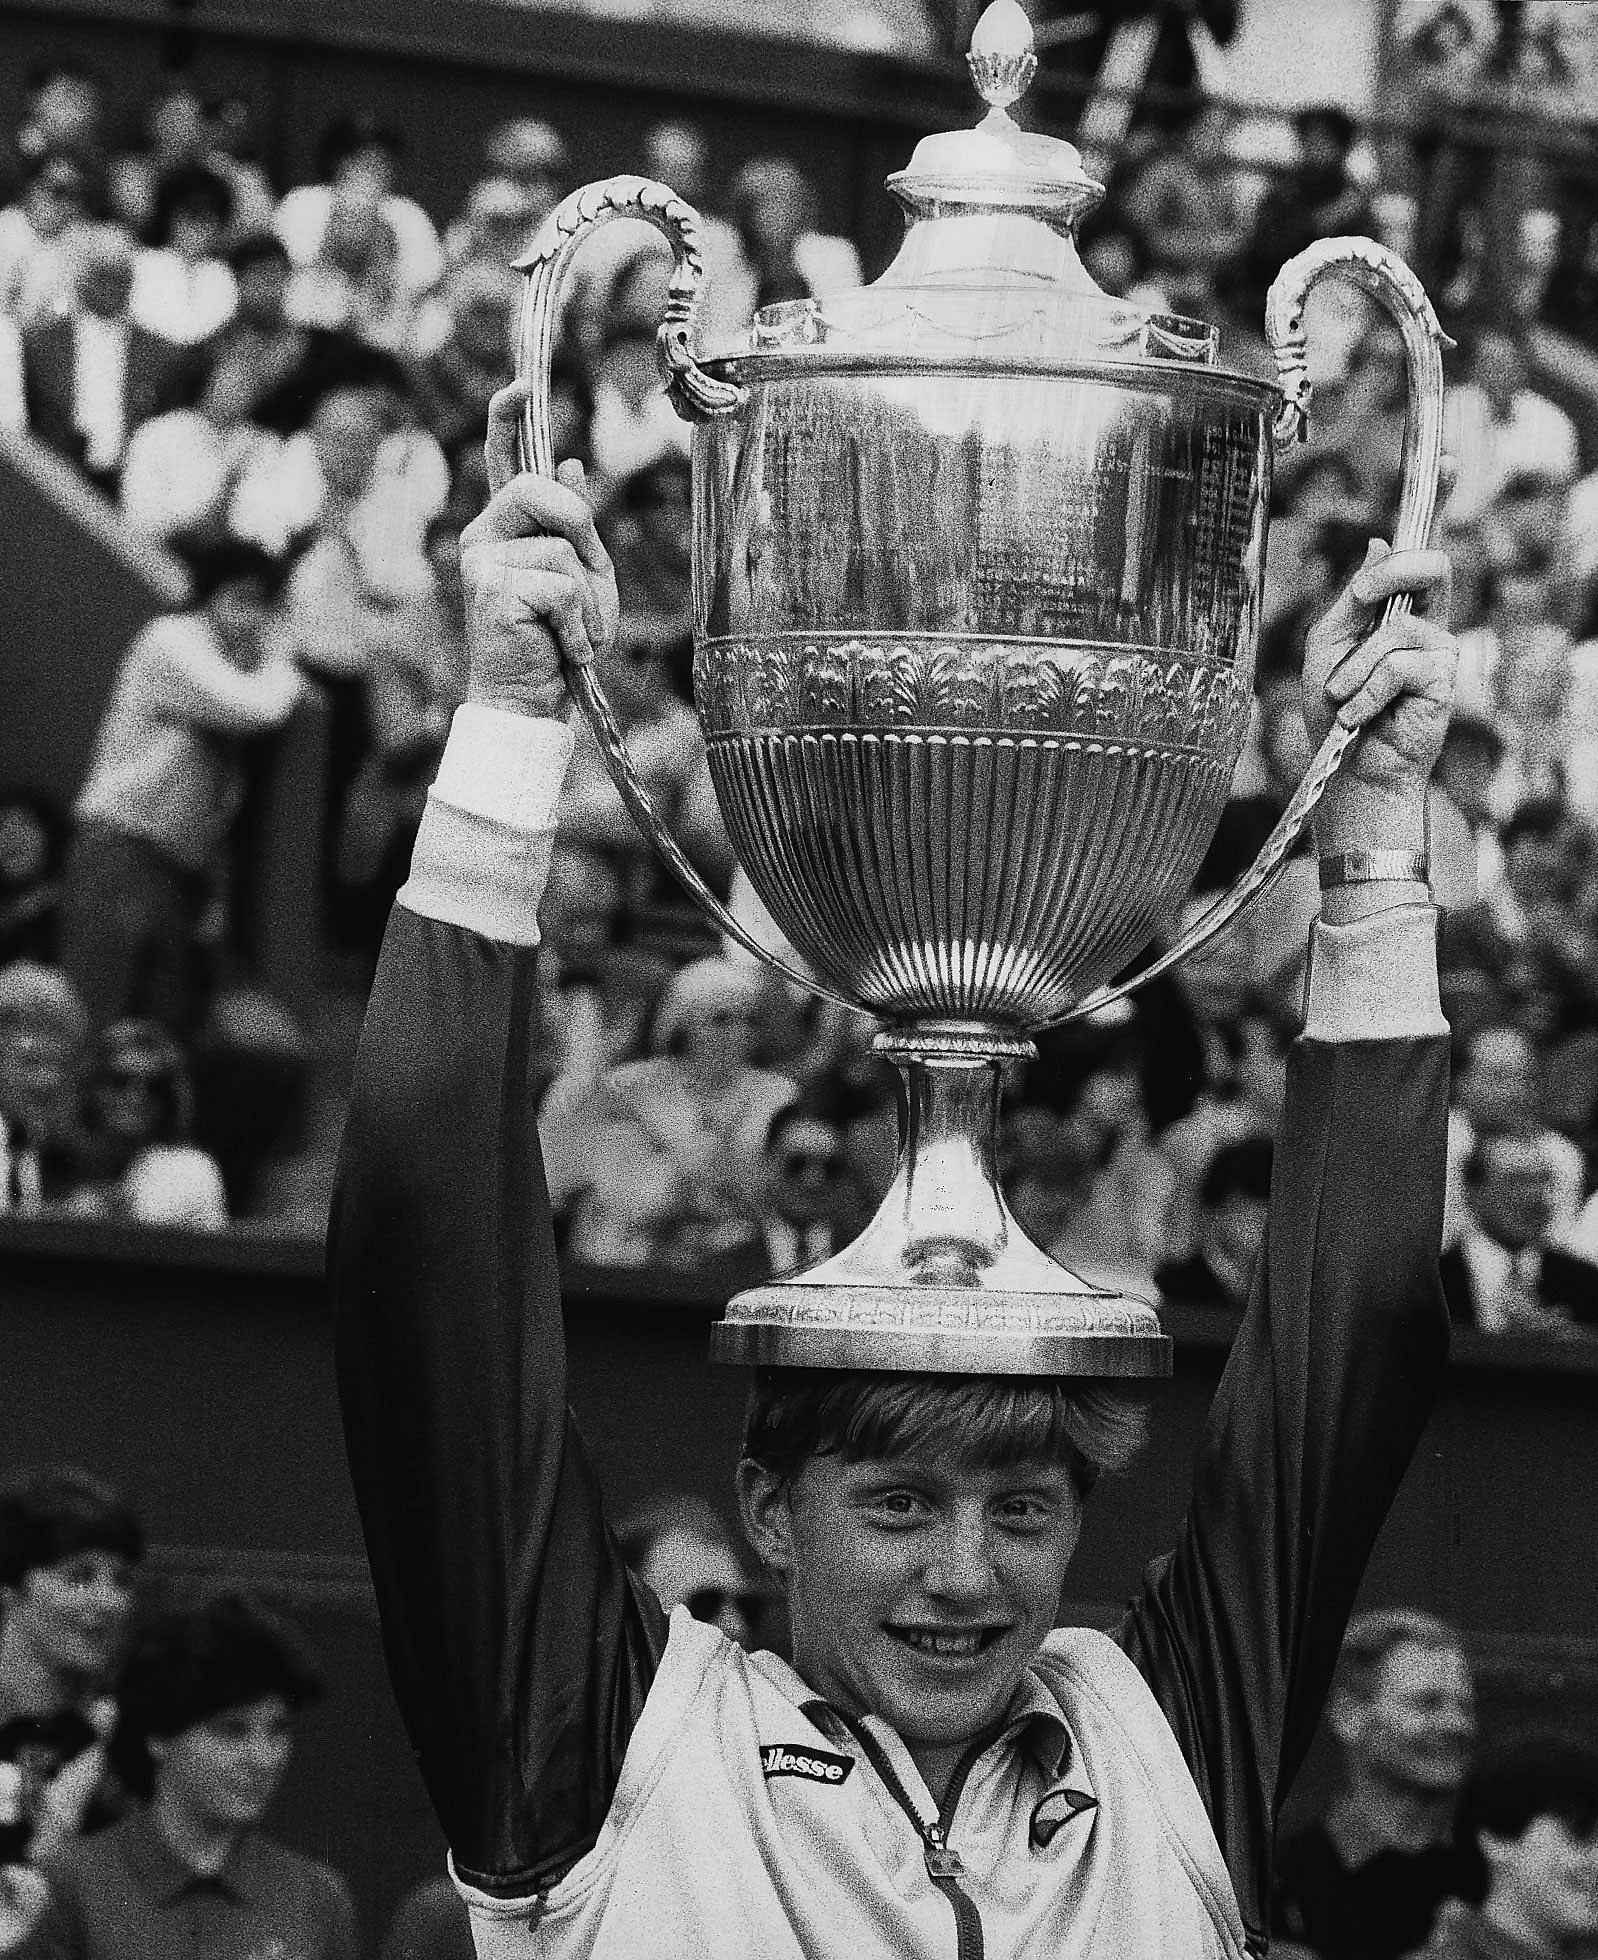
[540, 588]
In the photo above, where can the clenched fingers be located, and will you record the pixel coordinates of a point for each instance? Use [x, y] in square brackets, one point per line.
[502, 448]
[520, 597]
[1426, 576]
[546, 554]
[1406, 656]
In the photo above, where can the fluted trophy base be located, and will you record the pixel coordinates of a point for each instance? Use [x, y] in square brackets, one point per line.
[943, 1280]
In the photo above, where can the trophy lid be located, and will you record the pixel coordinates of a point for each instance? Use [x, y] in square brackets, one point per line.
[989, 268]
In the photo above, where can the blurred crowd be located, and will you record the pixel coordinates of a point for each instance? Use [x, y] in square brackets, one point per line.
[287, 386]
[146, 1727]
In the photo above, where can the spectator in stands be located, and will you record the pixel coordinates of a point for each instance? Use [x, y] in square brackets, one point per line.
[63, 113]
[212, 1688]
[234, 155]
[1503, 1275]
[1495, 425]
[1053, 1172]
[33, 835]
[138, 1161]
[649, 535]
[474, 353]
[1315, 197]
[786, 256]
[178, 141]
[633, 422]
[163, 788]
[1364, 1882]
[684, 1552]
[183, 287]
[70, 1549]
[38, 237]
[1467, 771]
[359, 164]
[1184, 203]
[808, 1204]
[533, 156]
[1533, 1808]
[1229, 1232]
[668, 749]
[93, 375]
[658, 1162]
[1526, 930]
[1499, 1089]
[495, 227]
[181, 469]
[265, 343]
[596, 998]
[43, 1029]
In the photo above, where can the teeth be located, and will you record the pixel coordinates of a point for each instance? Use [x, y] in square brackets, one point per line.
[944, 1643]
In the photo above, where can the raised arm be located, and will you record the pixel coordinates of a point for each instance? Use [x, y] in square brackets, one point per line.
[1333, 1372]
[519, 1649]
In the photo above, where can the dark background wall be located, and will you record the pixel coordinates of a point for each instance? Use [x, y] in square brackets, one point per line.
[198, 1376]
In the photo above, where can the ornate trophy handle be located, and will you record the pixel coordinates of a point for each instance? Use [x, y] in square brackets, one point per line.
[694, 394]
[1386, 277]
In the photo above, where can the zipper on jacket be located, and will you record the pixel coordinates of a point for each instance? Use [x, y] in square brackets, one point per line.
[944, 1866]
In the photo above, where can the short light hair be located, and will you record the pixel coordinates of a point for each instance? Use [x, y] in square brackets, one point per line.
[978, 1421]
[1372, 1637]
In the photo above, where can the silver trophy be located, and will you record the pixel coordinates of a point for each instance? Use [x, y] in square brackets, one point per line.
[978, 553]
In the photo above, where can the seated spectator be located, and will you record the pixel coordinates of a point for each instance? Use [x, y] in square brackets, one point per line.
[163, 789]
[808, 1207]
[649, 534]
[260, 339]
[1495, 425]
[1499, 1088]
[474, 355]
[1365, 1881]
[138, 1161]
[681, 1549]
[1316, 196]
[1229, 1231]
[1503, 1275]
[1526, 929]
[668, 749]
[212, 1690]
[658, 1162]
[1053, 1167]
[1533, 1808]
[1467, 771]
[183, 287]
[234, 155]
[353, 284]
[772, 205]
[69, 1552]
[532, 156]
[94, 374]
[633, 421]
[178, 140]
[33, 835]
[596, 998]
[63, 111]
[38, 237]
[181, 469]
[496, 226]
[1184, 202]
[43, 1030]
[359, 161]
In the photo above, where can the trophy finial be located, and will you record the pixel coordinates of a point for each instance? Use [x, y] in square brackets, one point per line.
[1001, 60]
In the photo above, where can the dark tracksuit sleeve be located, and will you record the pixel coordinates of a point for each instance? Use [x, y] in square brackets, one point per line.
[519, 1649]
[1328, 1387]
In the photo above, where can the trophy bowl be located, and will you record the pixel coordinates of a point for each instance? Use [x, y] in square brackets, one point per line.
[977, 563]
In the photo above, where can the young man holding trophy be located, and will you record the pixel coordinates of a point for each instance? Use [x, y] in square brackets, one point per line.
[977, 572]
[939, 1771]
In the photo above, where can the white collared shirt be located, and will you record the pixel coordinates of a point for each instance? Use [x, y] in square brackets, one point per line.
[99, 389]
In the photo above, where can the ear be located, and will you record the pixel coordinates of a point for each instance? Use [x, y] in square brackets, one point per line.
[767, 1516]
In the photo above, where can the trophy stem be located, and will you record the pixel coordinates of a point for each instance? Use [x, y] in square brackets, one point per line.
[943, 1278]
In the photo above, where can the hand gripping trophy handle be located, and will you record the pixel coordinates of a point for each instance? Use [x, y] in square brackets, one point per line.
[696, 395]
[1389, 281]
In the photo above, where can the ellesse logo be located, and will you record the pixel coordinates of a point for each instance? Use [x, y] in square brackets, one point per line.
[799, 1759]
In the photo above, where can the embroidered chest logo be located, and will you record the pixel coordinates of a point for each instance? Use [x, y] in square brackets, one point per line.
[799, 1759]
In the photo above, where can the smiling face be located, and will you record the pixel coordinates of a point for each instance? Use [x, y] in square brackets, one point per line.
[223, 1772]
[919, 1588]
[70, 1616]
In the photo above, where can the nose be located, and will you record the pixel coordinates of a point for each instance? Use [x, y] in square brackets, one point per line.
[961, 1568]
